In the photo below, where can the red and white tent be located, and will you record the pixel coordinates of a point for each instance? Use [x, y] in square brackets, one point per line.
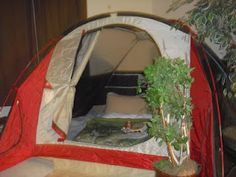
[40, 117]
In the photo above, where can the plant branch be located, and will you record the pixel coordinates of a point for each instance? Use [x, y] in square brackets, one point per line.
[171, 154]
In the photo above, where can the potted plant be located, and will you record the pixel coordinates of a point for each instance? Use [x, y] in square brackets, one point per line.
[167, 82]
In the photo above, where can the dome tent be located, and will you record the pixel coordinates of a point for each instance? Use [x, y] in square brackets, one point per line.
[39, 121]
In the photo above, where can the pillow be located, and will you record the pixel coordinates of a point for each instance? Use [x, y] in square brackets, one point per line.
[125, 104]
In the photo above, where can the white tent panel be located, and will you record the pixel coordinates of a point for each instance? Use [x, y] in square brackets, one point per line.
[57, 102]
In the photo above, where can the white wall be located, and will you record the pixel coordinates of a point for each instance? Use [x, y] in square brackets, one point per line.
[95, 7]
[154, 7]
[159, 8]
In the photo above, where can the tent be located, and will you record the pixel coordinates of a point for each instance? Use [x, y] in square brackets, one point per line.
[98, 62]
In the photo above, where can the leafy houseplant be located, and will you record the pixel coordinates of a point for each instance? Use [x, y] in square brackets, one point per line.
[215, 20]
[167, 83]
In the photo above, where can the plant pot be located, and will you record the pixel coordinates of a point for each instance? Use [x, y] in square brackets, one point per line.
[188, 168]
[159, 173]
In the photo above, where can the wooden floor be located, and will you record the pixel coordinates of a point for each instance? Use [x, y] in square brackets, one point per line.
[53, 167]
[74, 168]
[66, 173]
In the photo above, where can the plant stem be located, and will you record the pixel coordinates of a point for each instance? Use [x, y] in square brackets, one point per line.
[171, 154]
[183, 120]
[186, 134]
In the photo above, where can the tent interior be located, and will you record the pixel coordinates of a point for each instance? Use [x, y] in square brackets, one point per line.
[106, 101]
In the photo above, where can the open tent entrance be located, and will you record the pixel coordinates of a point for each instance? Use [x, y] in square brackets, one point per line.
[105, 102]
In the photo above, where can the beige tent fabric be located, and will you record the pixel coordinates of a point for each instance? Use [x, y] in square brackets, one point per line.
[66, 173]
[55, 107]
[56, 167]
[103, 173]
[61, 65]
[59, 76]
[111, 47]
[84, 55]
[140, 57]
[33, 167]
[126, 49]
[57, 103]
[71, 168]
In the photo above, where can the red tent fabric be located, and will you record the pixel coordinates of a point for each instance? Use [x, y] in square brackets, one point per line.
[18, 138]
[202, 131]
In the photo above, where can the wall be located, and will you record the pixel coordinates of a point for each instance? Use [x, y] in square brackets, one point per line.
[160, 7]
[155, 7]
[21, 34]
[95, 7]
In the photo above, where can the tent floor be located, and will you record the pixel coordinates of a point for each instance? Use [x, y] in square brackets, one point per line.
[54, 167]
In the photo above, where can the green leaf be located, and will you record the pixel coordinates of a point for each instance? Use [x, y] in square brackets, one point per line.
[160, 143]
[162, 164]
[149, 124]
[215, 20]
[183, 140]
[176, 146]
[170, 133]
[167, 81]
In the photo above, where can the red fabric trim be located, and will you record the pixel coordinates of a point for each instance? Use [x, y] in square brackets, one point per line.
[218, 112]
[59, 132]
[83, 32]
[201, 144]
[105, 156]
[47, 85]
